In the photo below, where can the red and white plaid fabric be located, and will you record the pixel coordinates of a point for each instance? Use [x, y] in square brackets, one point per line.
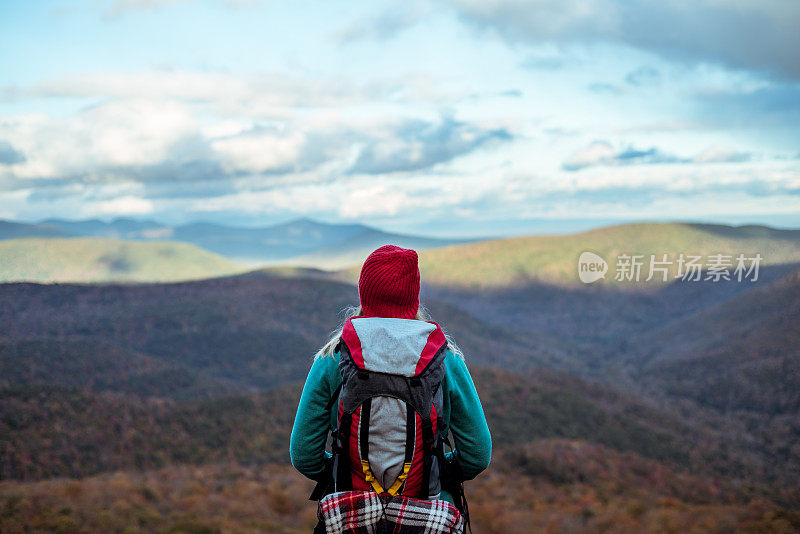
[366, 512]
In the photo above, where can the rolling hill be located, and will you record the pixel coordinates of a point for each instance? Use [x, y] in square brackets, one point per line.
[303, 241]
[553, 259]
[93, 259]
[254, 331]
[743, 354]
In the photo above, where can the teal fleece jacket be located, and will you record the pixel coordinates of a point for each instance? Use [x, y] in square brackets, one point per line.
[462, 415]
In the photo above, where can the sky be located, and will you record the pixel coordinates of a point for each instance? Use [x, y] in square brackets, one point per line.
[448, 118]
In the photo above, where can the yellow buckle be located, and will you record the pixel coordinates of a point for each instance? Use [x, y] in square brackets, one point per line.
[398, 483]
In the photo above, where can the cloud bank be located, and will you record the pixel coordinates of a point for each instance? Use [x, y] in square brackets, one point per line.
[603, 153]
[758, 35]
[469, 109]
[152, 135]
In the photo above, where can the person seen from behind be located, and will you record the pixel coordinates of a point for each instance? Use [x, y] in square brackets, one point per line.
[391, 388]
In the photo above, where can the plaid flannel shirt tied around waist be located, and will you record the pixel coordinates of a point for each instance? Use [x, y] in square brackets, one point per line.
[366, 512]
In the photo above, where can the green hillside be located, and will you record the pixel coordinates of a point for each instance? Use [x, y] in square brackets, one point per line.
[554, 258]
[92, 259]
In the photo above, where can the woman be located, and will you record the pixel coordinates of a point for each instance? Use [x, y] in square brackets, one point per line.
[388, 288]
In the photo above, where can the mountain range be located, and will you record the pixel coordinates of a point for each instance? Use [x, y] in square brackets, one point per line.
[669, 407]
[301, 241]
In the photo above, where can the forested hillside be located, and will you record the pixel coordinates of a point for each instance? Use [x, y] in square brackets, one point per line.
[668, 409]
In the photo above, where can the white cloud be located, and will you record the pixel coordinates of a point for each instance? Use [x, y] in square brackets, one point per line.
[127, 205]
[593, 154]
[686, 179]
[132, 132]
[602, 153]
[718, 154]
[263, 152]
[263, 95]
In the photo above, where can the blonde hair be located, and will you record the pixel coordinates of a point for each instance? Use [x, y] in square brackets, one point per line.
[351, 311]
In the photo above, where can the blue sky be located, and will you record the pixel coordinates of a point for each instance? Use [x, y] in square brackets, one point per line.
[447, 118]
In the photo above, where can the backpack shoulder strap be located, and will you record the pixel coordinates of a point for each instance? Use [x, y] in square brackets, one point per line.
[334, 398]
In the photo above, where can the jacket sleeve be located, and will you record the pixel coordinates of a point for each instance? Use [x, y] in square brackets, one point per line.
[312, 421]
[472, 441]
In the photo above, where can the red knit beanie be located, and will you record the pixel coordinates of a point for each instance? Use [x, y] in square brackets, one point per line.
[389, 283]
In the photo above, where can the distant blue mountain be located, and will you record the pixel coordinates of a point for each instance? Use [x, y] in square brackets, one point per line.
[119, 228]
[13, 230]
[312, 242]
